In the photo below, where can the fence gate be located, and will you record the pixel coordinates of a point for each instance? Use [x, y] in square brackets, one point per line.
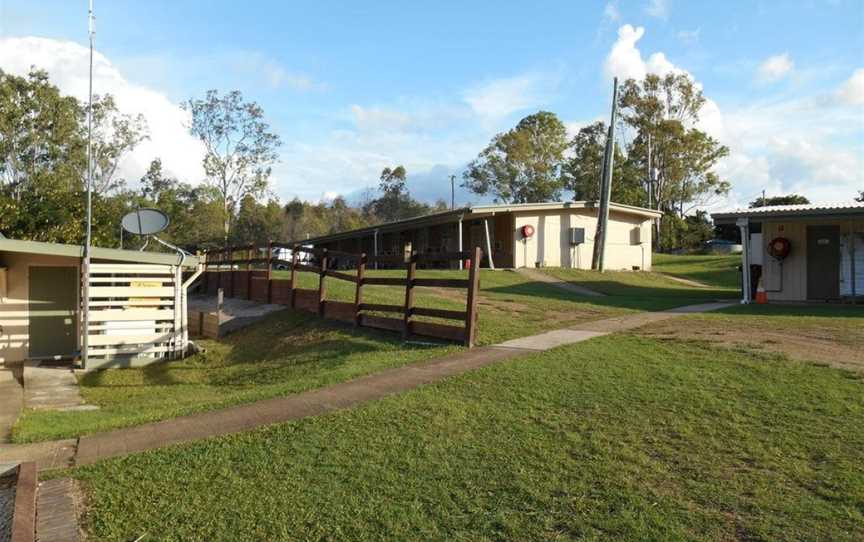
[135, 314]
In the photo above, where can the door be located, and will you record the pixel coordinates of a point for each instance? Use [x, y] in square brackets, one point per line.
[823, 262]
[53, 304]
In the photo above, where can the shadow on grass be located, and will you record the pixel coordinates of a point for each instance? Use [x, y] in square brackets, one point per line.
[283, 345]
[625, 297]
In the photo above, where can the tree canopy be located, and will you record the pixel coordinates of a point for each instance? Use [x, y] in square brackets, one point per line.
[524, 164]
[791, 199]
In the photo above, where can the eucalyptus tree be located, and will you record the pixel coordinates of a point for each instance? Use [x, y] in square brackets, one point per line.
[524, 164]
[240, 149]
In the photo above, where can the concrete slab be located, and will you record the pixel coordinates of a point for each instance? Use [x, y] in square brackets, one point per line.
[57, 511]
[11, 402]
[551, 339]
[51, 388]
[236, 313]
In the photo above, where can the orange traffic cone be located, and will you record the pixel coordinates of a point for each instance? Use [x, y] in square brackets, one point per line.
[761, 295]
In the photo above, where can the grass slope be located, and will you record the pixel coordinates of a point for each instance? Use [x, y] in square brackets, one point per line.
[616, 438]
[720, 271]
[289, 352]
[651, 291]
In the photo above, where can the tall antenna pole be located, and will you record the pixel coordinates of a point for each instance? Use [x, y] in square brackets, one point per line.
[452, 192]
[85, 341]
[605, 189]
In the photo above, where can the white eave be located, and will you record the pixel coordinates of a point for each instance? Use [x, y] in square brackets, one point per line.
[835, 210]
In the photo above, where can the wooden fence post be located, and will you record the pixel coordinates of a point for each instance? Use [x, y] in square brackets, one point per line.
[358, 294]
[471, 308]
[270, 271]
[322, 286]
[249, 253]
[293, 283]
[409, 293]
[231, 267]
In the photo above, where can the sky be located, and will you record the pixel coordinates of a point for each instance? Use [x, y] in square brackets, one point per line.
[354, 87]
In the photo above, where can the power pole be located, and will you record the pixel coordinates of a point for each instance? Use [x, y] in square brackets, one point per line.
[85, 286]
[597, 262]
[452, 192]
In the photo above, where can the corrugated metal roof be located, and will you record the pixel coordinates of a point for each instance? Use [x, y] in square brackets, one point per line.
[98, 253]
[824, 210]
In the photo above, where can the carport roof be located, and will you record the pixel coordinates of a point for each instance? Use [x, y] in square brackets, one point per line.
[97, 253]
[831, 211]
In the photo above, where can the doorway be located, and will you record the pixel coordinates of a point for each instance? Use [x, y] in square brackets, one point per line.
[53, 301]
[823, 262]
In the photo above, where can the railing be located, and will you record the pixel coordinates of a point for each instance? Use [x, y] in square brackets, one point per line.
[241, 272]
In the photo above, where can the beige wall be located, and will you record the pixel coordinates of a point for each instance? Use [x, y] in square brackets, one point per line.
[550, 243]
[792, 286]
[14, 309]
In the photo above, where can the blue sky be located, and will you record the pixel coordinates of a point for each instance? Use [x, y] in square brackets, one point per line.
[354, 87]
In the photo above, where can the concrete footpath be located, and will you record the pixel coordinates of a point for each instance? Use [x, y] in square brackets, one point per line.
[91, 448]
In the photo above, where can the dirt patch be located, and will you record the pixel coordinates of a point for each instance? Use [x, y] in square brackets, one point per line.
[834, 345]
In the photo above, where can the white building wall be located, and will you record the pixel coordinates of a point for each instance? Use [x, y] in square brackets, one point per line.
[550, 246]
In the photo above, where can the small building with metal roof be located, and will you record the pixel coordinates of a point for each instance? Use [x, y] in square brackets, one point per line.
[801, 252]
[553, 234]
[136, 304]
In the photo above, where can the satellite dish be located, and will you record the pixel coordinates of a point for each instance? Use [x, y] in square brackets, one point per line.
[145, 221]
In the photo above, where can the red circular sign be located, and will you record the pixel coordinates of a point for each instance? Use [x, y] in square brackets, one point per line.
[527, 230]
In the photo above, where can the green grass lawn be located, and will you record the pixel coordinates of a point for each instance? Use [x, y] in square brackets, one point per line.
[294, 351]
[720, 271]
[620, 437]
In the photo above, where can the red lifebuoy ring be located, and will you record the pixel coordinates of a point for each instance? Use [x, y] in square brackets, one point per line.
[527, 230]
[779, 248]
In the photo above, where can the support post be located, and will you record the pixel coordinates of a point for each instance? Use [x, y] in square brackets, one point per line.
[471, 304]
[322, 285]
[358, 293]
[852, 260]
[375, 246]
[292, 284]
[220, 298]
[410, 275]
[270, 271]
[459, 234]
[488, 244]
[249, 253]
[744, 225]
[231, 267]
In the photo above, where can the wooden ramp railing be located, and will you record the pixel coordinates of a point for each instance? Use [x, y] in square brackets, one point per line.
[247, 272]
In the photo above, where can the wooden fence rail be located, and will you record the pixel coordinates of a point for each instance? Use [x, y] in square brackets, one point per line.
[232, 270]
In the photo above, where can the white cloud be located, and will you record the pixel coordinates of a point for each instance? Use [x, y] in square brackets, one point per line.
[689, 37]
[611, 11]
[67, 65]
[625, 60]
[370, 118]
[502, 97]
[852, 91]
[658, 9]
[775, 68]
[277, 76]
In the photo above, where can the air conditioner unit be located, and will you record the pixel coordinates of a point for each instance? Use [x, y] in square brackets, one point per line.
[577, 236]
